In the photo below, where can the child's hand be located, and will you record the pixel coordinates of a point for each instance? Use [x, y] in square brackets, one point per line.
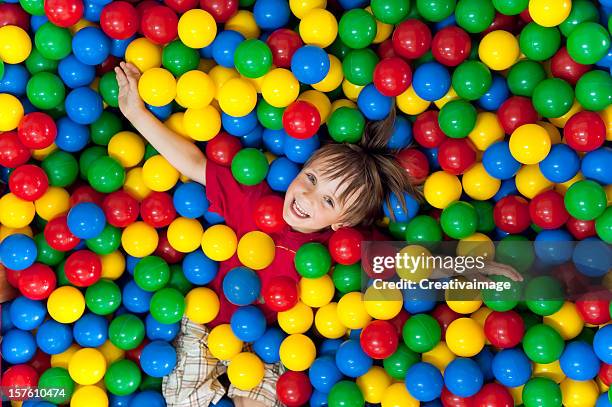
[7, 291]
[498, 269]
[130, 102]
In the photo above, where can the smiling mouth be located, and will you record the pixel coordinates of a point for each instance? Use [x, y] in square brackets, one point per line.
[299, 211]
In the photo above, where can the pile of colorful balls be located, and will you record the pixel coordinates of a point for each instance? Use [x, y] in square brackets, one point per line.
[504, 116]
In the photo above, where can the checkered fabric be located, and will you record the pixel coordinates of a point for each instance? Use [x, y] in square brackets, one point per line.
[195, 380]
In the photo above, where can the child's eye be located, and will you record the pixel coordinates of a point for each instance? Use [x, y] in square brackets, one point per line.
[312, 178]
[329, 201]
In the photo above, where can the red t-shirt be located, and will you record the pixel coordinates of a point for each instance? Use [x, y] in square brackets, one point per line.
[235, 202]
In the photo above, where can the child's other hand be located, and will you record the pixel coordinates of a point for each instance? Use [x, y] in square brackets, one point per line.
[498, 269]
[7, 291]
[130, 102]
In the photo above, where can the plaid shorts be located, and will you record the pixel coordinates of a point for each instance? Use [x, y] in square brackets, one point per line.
[195, 380]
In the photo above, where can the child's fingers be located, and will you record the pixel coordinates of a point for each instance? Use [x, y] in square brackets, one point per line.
[121, 78]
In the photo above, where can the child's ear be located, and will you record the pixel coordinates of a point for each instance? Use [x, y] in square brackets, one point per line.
[336, 226]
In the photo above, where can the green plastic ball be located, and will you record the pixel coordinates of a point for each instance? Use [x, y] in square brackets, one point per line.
[338, 49]
[510, 7]
[423, 230]
[126, 331]
[524, 76]
[253, 58]
[542, 344]
[435, 10]
[484, 211]
[33, 7]
[346, 125]
[45, 253]
[103, 129]
[178, 280]
[36, 63]
[53, 42]
[347, 278]
[582, 11]
[109, 89]
[103, 297]
[544, 295]
[471, 80]
[399, 362]
[594, 90]
[358, 66]
[421, 333]
[269, 116]
[585, 200]
[106, 175]
[539, 43]
[553, 97]
[122, 377]
[45, 90]
[474, 16]
[504, 300]
[357, 28]
[390, 11]
[106, 242]
[152, 273]
[167, 306]
[516, 251]
[459, 220]
[61, 168]
[312, 260]
[249, 166]
[58, 385]
[345, 394]
[88, 156]
[541, 392]
[457, 118]
[179, 58]
[398, 230]
[588, 43]
[603, 225]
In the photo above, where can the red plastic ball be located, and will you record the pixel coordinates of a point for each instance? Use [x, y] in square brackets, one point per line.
[181, 6]
[222, 149]
[411, 39]
[143, 6]
[564, 67]
[20, 376]
[379, 339]
[159, 24]
[493, 395]
[525, 16]
[415, 163]
[283, 43]
[426, 130]
[157, 209]
[83, 268]
[13, 276]
[456, 155]
[119, 20]
[511, 214]
[120, 209]
[85, 193]
[37, 282]
[301, 119]
[40, 362]
[370, 252]
[268, 214]
[585, 131]
[594, 309]
[221, 10]
[12, 152]
[548, 211]
[28, 182]
[451, 46]
[515, 112]
[293, 389]
[449, 399]
[444, 315]
[503, 22]
[58, 235]
[504, 329]
[37, 130]
[392, 76]
[345, 246]
[64, 13]
[580, 229]
[134, 354]
[399, 320]
[13, 14]
[280, 293]
[385, 49]
[605, 374]
[166, 251]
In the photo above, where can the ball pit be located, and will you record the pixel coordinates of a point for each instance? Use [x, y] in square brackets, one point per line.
[504, 118]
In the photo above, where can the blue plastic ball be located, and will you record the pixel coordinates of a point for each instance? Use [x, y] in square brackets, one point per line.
[254, 138]
[130, 263]
[53, 337]
[400, 214]
[511, 367]
[27, 314]
[602, 344]
[239, 126]
[71, 137]
[310, 64]
[402, 134]
[18, 251]
[118, 47]
[597, 165]
[91, 46]
[148, 398]
[161, 112]
[300, 150]
[579, 362]
[84, 105]
[561, 164]
[90, 330]
[508, 187]
[268, 345]
[554, 246]
[318, 399]
[248, 323]
[273, 140]
[424, 381]
[14, 80]
[432, 158]
[86, 220]
[323, 374]
[36, 21]
[5, 319]
[431, 81]
[241, 286]
[271, 14]
[463, 377]
[189, 200]
[498, 161]
[213, 218]
[92, 11]
[198, 268]
[484, 358]
[592, 257]
[75, 73]
[120, 401]
[135, 299]
[224, 402]
[224, 46]
[496, 95]
[351, 360]
[18, 346]
[330, 346]
[158, 358]
[281, 173]
[158, 331]
[373, 104]
[419, 300]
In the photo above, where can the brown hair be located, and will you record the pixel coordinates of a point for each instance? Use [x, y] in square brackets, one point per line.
[368, 168]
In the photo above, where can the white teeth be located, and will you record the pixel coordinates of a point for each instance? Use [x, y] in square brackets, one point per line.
[299, 210]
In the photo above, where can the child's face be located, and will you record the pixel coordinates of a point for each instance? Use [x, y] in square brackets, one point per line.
[311, 201]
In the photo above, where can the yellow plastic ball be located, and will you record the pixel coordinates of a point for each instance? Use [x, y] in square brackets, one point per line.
[383, 30]
[134, 184]
[220, 74]
[318, 100]
[486, 131]
[397, 395]
[464, 337]
[549, 13]
[476, 245]
[297, 319]
[337, 104]
[158, 174]
[530, 181]
[328, 323]
[318, 27]
[256, 250]
[143, 54]
[6, 232]
[316, 292]
[499, 50]
[185, 234]
[334, 76]
[195, 89]
[441, 189]
[280, 88]
[40, 154]
[11, 110]
[63, 359]
[176, 123]
[383, 304]
[15, 212]
[54, 202]
[300, 8]
[197, 28]
[202, 124]
[564, 186]
[201, 305]
[297, 352]
[517, 394]
[529, 144]
[237, 97]
[219, 242]
[440, 356]
[87, 366]
[244, 22]
[351, 90]
[89, 396]
[373, 384]
[66, 304]
[481, 315]
[562, 120]
[606, 116]
[553, 132]
[450, 96]
[566, 321]
[245, 371]
[410, 103]
[478, 184]
[15, 44]
[464, 306]
[111, 353]
[157, 87]
[222, 342]
[352, 311]
[579, 393]
[139, 239]
[408, 271]
[126, 147]
[82, 23]
[550, 370]
[113, 265]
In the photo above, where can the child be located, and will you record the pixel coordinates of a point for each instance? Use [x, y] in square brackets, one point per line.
[341, 185]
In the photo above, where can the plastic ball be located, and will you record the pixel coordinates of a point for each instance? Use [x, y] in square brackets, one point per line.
[197, 28]
[15, 44]
[478, 184]
[201, 305]
[12, 112]
[511, 367]
[499, 50]
[222, 342]
[87, 366]
[157, 87]
[297, 352]
[66, 304]
[585, 200]
[588, 43]
[424, 381]
[548, 13]
[465, 337]
[441, 189]
[139, 239]
[411, 39]
[159, 24]
[158, 358]
[431, 81]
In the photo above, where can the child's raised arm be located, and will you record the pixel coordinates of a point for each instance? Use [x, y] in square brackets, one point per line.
[182, 154]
